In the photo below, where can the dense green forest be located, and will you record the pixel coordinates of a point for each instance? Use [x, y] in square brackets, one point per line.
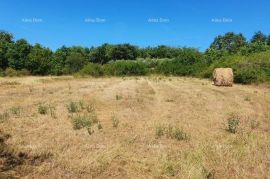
[250, 59]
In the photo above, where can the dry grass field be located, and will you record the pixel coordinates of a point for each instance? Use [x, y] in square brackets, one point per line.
[132, 127]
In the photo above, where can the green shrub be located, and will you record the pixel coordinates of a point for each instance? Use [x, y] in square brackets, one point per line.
[81, 121]
[10, 72]
[179, 67]
[233, 123]
[179, 134]
[43, 109]
[92, 69]
[16, 111]
[125, 68]
[159, 131]
[86, 120]
[246, 76]
[171, 132]
[23, 72]
[73, 107]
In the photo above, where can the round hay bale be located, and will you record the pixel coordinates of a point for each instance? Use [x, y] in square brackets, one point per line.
[223, 77]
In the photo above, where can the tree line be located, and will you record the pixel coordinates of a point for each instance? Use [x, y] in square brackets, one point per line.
[36, 59]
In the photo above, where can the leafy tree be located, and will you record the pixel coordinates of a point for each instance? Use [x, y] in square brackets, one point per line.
[190, 56]
[78, 49]
[6, 40]
[65, 61]
[18, 54]
[268, 40]
[229, 43]
[101, 54]
[144, 53]
[124, 52]
[74, 62]
[59, 59]
[39, 60]
[259, 37]
[163, 51]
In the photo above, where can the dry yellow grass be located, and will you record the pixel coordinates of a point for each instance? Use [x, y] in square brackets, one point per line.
[132, 150]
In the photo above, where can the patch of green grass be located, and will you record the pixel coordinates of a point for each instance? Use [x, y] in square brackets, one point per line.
[169, 169]
[43, 109]
[232, 124]
[171, 132]
[160, 131]
[80, 122]
[16, 111]
[179, 134]
[73, 107]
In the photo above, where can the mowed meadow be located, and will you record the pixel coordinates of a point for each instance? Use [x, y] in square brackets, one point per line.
[132, 127]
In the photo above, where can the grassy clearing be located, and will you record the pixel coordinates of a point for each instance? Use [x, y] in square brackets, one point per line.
[160, 127]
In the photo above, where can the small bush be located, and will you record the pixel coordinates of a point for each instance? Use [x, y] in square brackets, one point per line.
[10, 72]
[233, 123]
[73, 107]
[179, 134]
[125, 68]
[81, 122]
[160, 131]
[16, 111]
[43, 109]
[23, 72]
[171, 132]
[247, 76]
[92, 69]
